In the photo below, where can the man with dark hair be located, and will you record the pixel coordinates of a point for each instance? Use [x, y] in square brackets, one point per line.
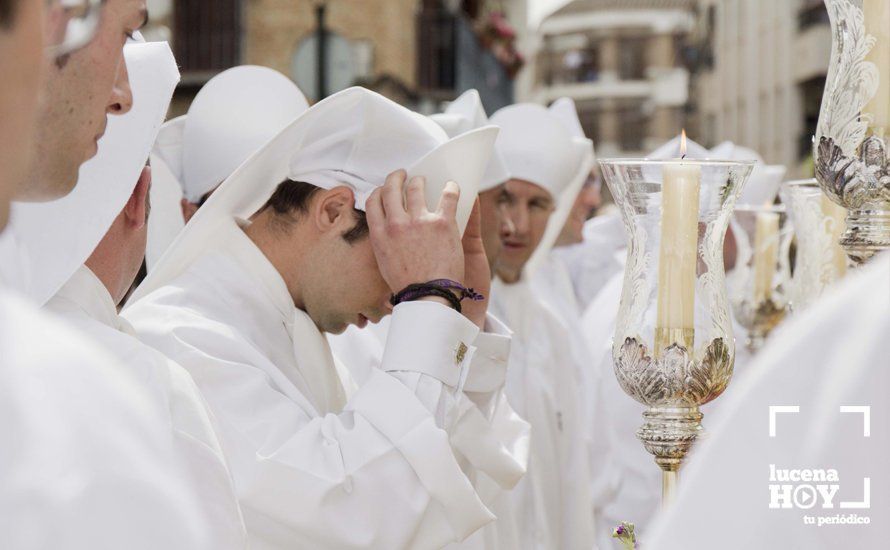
[291, 199]
[280, 255]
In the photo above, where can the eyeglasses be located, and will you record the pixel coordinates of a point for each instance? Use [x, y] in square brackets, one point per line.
[72, 24]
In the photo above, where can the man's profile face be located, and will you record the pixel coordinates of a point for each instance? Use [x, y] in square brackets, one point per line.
[21, 62]
[587, 201]
[81, 89]
[495, 223]
[529, 207]
[347, 288]
[340, 282]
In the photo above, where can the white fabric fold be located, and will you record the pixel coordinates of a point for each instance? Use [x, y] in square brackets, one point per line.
[384, 460]
[463, 115]
[84, 302]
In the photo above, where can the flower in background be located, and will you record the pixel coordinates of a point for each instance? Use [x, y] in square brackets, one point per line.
[625, 535]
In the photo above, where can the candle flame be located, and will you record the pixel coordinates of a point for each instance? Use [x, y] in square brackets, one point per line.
[683, 144]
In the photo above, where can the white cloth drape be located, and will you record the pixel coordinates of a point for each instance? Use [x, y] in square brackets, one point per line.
[552, 504]
[87, 461]
[84, 303]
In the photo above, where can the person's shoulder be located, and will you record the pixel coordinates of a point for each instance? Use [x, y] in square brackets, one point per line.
[42, 352]
[84, 441]
[200, 292]
[41, 340]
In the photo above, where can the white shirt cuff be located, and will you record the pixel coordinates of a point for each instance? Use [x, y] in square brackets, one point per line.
[488, 370]
[429, 338]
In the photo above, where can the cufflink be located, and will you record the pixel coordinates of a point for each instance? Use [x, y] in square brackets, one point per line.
[460, 353]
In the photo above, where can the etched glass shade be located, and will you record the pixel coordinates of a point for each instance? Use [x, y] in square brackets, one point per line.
[851, 145]
[818, 223]
[673, 348]
[759, 281]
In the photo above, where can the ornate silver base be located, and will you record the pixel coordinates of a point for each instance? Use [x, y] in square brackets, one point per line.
[861, 184]
[669, 434]
[673, 386]
[868, 233]
[759, 321]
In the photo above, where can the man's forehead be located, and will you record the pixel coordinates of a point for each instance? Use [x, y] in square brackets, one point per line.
[526, 189]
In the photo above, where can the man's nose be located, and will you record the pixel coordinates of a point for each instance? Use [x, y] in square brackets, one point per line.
[121, 100]
[519, 220]
[508, 228]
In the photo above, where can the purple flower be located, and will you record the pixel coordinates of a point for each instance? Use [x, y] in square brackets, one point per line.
[625, 535]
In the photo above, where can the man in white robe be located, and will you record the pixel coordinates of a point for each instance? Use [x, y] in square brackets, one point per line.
[814, 401]
[95, 248]
[559, 276]
[547, 166]
[362, 349]
[591, 262]
[84, 463]
[243, 306]
[234, 114]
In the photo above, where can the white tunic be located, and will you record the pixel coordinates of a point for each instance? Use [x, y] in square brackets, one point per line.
[591, 263]
[637, 478]
[362, 350]
[831, 357]
[553, 284]
[314, 470]
[86, 461]
[84, 303]
[552, 504]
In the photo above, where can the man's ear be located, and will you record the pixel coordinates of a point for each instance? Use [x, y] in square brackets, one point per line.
[136, 209]
[333, 209]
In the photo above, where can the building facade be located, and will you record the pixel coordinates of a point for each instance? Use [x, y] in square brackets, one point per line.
[624, 64]
[760, 76]
[419, 52]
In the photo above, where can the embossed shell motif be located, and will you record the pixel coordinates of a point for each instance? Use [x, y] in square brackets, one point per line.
[674, 379]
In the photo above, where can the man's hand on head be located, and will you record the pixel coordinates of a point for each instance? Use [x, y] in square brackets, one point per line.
[477, 273]
[411, 243]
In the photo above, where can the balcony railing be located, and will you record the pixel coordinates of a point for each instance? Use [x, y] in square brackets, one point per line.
[207, 35]
[450, 60]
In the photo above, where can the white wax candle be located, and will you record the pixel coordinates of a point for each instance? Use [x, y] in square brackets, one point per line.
[679, 242]
[837, 216]
[877, 24]
[766, 254]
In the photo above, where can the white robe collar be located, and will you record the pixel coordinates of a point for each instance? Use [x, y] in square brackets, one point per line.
[86, 292]
[324, 383]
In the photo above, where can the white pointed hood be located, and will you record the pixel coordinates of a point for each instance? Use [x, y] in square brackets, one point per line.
[464, 114]
[565, 112]
[355, 138]
[233, 115]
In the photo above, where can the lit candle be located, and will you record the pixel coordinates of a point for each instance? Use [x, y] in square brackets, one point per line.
[766, 254]
[877, 24]
[837, 216]
[677, 255]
